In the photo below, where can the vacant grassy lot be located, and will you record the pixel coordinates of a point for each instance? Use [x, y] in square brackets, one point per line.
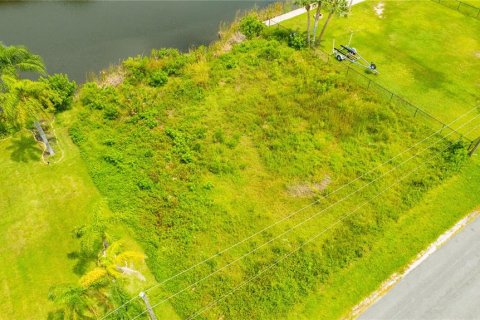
[198, 151]
[195, 152]
[39, 204]
[424, 51]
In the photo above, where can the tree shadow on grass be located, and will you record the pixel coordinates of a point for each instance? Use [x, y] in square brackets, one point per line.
[83, 262]
[24, 149]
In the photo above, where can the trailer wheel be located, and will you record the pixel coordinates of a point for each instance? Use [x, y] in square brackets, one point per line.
[339, 57]
[373, 66]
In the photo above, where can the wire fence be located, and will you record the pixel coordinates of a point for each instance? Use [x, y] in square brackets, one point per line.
[367, 82]
[465, 8]
[436, 124]
[396, 99]
[362, 79]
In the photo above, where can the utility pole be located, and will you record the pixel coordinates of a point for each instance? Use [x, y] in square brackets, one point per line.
[143, 295]
[474, 147]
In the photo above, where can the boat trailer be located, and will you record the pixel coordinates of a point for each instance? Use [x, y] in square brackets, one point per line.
[352, 55]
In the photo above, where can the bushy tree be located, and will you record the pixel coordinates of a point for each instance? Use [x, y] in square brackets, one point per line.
[158, 78]
[251, 26]
[61, 91]
[297, 40]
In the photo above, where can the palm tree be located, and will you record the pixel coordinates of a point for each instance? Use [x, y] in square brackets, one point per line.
[339, 7]
[14, 59]
[307, 4]
[100, 289]
[23, 100]
[18, 103]
[119, 263]
[74, 301]
[316, 18]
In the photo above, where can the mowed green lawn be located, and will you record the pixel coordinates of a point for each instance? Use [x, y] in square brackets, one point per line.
[425, 52]
[39, 206]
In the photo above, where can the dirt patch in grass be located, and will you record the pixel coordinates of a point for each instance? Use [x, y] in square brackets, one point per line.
[306, 190]
[237, 37]
[113, 79]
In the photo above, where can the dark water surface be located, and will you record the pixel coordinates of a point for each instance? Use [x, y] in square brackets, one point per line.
[77, 37]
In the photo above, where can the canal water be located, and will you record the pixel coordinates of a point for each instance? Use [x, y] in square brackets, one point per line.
[78, 37]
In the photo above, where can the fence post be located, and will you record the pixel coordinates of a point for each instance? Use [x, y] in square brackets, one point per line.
[415, 113]
[391, 97]
[474, 146]
[369, 82]
[459, 4]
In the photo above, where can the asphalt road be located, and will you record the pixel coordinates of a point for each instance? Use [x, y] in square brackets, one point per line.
[445, 286]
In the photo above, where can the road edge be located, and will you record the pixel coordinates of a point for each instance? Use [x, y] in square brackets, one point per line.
[388, 284]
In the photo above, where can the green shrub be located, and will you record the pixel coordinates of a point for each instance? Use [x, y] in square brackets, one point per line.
[228, 61]
[218, 136]
[95, 97]
[145, 184]
[456, 155]
[270, 51]
[77, 136]
[221, 167]
[136, 69]
[189, 90]
[251, 26]
[174, 65]
[158, 78]
[279, 34]
[297, 40]
[61, 91]
[115, 158]
[111, 113]
[108, 142]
